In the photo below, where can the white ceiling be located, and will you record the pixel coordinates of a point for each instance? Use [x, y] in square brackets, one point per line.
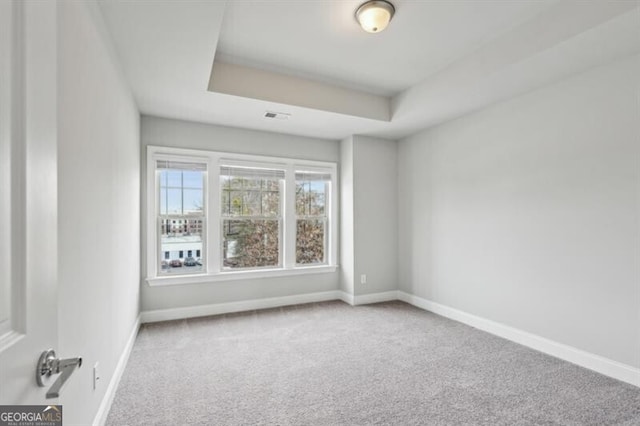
[321, 39]
[437, 59]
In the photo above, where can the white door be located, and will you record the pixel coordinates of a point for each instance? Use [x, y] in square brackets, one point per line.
[28, 193]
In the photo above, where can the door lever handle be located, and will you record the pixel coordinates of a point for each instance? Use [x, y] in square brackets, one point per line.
[49, 365]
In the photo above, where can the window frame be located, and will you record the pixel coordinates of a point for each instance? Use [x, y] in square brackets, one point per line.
[324, 218]
[213, 269]
[157, 216]
[280, 219]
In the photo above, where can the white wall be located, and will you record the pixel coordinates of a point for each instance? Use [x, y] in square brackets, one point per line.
[526, 213]
[375, 224]
[6, 68]
[182, 134]
[99, 196]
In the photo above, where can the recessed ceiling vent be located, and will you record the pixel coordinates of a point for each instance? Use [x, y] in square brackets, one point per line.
[277, 115]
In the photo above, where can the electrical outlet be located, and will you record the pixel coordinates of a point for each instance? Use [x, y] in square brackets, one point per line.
[96, 375]
[363, 279]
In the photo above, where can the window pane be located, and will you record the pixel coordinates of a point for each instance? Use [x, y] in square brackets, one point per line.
[225, 202]
[251, 205]
[317, 207]
[192, 179]
[310, 197]
[250, 243]
[271, 203]
[179, 239]
[250, 197]
[192, 201]
[311, 225]
[172, 178]
[173, 201]
[233, 200]
[163, 201]
[235, 183]
[252, 184]
[271, 185]
[181, 191]
[310, 241]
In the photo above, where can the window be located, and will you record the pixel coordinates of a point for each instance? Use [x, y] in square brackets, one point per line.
[251, 217]
[311, 217]
[181, 203]
[242, 216]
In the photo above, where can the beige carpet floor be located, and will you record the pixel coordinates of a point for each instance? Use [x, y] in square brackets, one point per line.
[333, 364]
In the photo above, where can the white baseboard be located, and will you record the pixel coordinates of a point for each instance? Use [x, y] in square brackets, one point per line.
[346, 297]
[107, 399]
[271, 302]
[602, 365]
[244, 305]
[365, 299]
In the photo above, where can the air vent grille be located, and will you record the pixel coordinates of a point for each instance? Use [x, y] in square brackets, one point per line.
[277, 115]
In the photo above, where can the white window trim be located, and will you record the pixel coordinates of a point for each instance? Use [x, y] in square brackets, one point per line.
[212, 245]
[153, 187]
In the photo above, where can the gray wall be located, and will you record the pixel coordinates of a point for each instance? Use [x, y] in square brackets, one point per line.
[526, 213]
[347, 271]
[369, 216]
[182, 134]
[98, 213]
[375, 225]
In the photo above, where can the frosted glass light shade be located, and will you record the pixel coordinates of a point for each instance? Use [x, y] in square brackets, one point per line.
[374, 16]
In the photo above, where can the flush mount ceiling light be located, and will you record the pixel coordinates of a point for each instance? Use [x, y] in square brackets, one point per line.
[374, 15]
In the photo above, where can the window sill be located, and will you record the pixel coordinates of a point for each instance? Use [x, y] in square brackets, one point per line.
[238, 275]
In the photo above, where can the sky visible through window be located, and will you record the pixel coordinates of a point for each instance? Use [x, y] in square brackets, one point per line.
[181, 192]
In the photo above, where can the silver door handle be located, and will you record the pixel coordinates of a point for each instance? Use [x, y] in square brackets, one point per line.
[49, 365]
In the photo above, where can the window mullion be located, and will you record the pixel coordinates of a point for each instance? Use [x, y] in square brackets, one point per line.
[289, 218]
